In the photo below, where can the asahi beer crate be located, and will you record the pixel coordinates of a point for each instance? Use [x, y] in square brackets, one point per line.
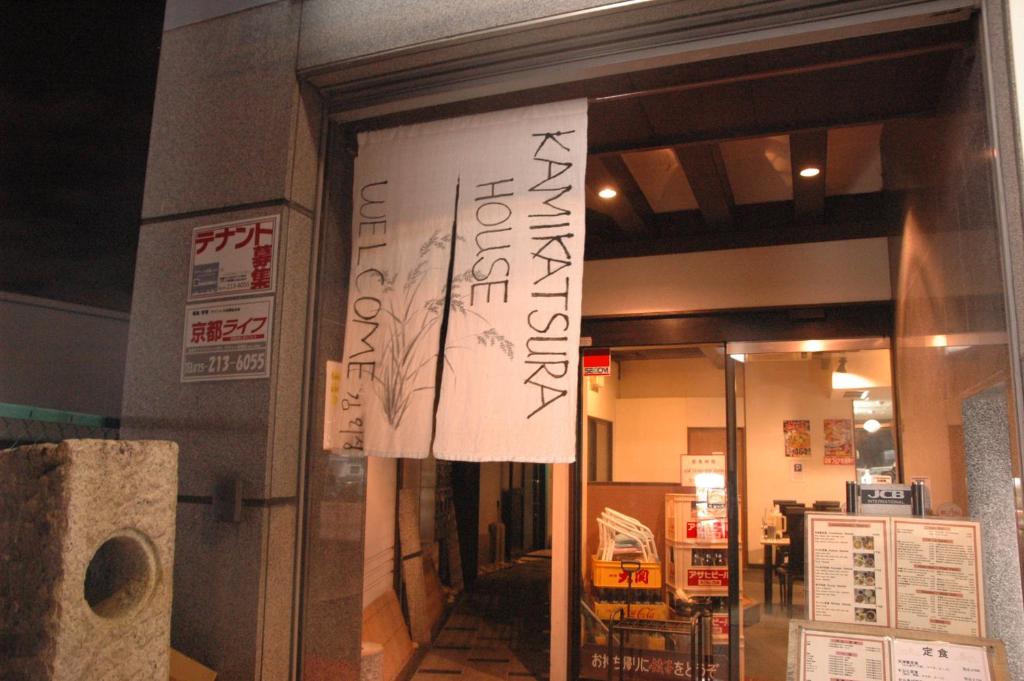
[688, 519]
[609, 573]
[697, 568]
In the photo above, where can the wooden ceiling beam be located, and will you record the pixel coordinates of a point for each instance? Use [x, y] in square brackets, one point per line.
[628, 187]
[809, 149]
[856, 216]
[705, 171]
[750, 131]
[629, 209]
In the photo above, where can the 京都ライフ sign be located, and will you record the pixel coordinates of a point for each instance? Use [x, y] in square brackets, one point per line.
[227, 340]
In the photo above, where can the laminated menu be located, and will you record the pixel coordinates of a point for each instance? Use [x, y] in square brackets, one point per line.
[847, 656]
[911, 573]
[826, 656]
[848, 568]
[938, 576]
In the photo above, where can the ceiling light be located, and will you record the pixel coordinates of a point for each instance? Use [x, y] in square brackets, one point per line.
[739, 358]
[810, 171]
[872, 425]
[607, 193]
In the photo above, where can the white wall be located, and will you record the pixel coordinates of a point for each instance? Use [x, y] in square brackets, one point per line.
[801, 274]
[775, 392]
[658, 400]
[379, 532]
[62, 356]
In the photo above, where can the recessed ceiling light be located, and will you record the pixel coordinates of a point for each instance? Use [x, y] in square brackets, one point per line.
[872, 425]
[607, 193]
[810, 171]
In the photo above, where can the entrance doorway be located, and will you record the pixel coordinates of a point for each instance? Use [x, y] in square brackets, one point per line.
[716, 234]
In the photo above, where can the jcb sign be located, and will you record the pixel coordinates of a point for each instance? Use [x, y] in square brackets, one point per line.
[885, 500]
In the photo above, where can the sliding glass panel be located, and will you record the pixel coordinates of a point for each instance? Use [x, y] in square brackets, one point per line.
[815, 414]
[655, 534]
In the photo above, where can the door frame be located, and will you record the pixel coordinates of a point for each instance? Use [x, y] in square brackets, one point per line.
[827, 322]
[614, 39]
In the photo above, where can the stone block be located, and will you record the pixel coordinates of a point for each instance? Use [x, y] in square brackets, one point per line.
[86, 555]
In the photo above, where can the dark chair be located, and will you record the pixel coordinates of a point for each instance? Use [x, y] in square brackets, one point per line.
[784, 502]
[828, 506]
[791, 567]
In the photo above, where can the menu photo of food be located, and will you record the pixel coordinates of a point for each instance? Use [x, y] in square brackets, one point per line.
[798, 437]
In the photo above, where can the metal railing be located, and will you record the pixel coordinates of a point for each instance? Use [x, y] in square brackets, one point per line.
[25, 425]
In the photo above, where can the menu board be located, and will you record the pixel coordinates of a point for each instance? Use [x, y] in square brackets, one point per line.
[829, 656]
[848, 575]
[911, 573]
[938, 576]
[938, 661]
[851, 656]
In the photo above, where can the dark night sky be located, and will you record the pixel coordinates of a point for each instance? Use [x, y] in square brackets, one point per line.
[76, 98]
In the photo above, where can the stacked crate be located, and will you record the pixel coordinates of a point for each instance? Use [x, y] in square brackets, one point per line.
[610, 585]
[697, 556]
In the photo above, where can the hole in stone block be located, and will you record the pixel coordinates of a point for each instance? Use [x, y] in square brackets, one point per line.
[119, 576]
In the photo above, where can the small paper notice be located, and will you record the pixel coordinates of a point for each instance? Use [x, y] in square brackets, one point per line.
[938, 661]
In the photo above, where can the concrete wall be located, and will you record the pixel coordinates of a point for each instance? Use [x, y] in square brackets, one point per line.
[234, 135]
[61, 356]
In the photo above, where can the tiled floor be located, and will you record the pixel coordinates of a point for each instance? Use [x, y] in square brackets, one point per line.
[498, 631]
[767, 641]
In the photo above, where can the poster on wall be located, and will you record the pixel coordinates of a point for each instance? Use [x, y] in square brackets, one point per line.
[798, 437]
[838, 442]
[227, 340]
[233, 258]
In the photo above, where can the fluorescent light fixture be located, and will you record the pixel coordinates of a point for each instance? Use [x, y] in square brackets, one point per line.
[872, 425]
[739, 358]
[810, 171]
[607, 193]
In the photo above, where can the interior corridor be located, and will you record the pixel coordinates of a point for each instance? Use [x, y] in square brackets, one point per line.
[499, 629]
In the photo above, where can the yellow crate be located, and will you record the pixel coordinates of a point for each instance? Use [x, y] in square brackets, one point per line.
[640, 611]
[608, 573]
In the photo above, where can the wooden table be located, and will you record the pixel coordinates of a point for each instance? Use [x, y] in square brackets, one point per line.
[770, 546]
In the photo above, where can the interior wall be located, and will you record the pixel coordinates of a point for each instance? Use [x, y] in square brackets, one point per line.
[855, 270]
[951, 339]
[379, 530]
[658, 400]
[775, 392]
[490, 506]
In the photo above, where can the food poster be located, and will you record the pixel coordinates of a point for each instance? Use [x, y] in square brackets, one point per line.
[798, 437]
[938, 576]
[826, 656]
[848, 579]
[838, 442]
[938, 661]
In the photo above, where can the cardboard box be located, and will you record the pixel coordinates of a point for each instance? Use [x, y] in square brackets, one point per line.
[184, 668]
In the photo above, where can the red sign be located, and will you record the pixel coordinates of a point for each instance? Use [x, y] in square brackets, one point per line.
[713, 530]
[707, 577]
[597, 362]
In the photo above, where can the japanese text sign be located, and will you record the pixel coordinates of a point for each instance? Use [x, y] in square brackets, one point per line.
[233, 258]
[227, 340]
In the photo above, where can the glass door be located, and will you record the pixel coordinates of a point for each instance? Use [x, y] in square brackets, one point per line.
[658, 574]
